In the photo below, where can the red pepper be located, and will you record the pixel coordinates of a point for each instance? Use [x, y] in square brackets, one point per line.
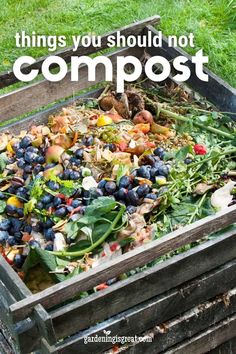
[200, 149]
[69, 201]
[101, 286]
[114, 247]
[60, 195]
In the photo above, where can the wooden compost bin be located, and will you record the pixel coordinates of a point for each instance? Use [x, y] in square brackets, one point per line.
[189, 301]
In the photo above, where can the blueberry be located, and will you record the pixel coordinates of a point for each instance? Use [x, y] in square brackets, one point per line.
[54, 186]
[28, 168]
[163, 171]
[66, 174]
[151, 196]
[87, 140]
[122, 193]
[4, 235]
[38, 168]
[19, 260]
[79, 153]
[4, 224]
[74, 175]
[11, 241]
[57, 201]
[48, 223]
[16, 224]
[75, 161]
[25, 142]
[143, 190]
[158, 164]
[27, 228]
[148, 160]
[159, 152]
[154, 172]
[188, 160]
[39, 206]
[133, 197]
[22, 192]
[49, 205]
[49, 165]
[47, 198]
[60, 212]
[34, 243]
[131, 209]
[10, 209]
[49, 247]
[95, 193]
[124, 182]
[16, 146]
[21, 163]
[110, 146]
[2, 195]
[40, 159]
[20, 153]
[18, 236]
[110, 187]
[76, 203]
[49, 234]
[32, 149]
[69, 208]
[144, 172]
[102, 183]
[20, 212]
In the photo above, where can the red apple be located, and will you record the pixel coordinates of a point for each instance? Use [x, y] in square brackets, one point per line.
[54, 153]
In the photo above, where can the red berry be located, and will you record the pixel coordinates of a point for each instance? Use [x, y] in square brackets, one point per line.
[114, 247]
[200, 149]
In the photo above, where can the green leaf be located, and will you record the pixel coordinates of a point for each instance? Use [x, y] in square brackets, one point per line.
[2, 206]
[122, 170]
[44, 258]
[3, 161]
[100, 206]
[29, 206]
[79, 246]
[72, 229]
[183, 152]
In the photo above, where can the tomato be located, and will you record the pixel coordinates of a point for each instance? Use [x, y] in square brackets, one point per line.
[142, 127]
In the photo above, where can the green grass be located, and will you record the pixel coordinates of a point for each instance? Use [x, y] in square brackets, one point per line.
[212, 22]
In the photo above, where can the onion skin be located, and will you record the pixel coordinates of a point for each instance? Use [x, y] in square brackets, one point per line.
[143, 117]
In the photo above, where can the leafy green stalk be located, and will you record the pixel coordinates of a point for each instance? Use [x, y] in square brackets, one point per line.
[98, 242]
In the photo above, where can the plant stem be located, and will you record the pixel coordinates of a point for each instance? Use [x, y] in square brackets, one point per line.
[198, 206]
[230, 152]
[95, 244]
[187, 120]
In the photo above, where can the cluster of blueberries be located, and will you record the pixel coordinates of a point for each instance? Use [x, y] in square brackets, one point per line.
[129, 191]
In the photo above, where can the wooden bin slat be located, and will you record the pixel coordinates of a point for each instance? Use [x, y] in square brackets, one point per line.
[44, 92]
[210, 339]
[143, 286]
[86, 281]
[215, 90]
[187, 325]
[160, 308]
[8, 78]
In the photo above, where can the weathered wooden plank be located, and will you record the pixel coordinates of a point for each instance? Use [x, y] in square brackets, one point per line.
[37, 95]
[128, 261]
[12, 281]
[73, 317]
[8, 78]
[155, 311]
[42, 116]
[186, 326]
[209, 339]
[225, 348]
[215, 90]
[44, 324]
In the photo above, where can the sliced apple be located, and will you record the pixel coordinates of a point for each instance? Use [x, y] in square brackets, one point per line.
[53, 171]
[53, 153]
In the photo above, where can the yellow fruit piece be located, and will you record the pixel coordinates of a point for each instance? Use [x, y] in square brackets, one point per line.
[104, 120]
[14, 201]
[9, 148]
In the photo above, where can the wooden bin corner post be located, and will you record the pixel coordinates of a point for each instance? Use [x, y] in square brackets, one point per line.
[13, 290]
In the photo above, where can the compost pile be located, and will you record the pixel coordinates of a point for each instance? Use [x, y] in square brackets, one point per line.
[107, 175]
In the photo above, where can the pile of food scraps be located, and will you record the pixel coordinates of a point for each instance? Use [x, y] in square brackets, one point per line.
[107, 175]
